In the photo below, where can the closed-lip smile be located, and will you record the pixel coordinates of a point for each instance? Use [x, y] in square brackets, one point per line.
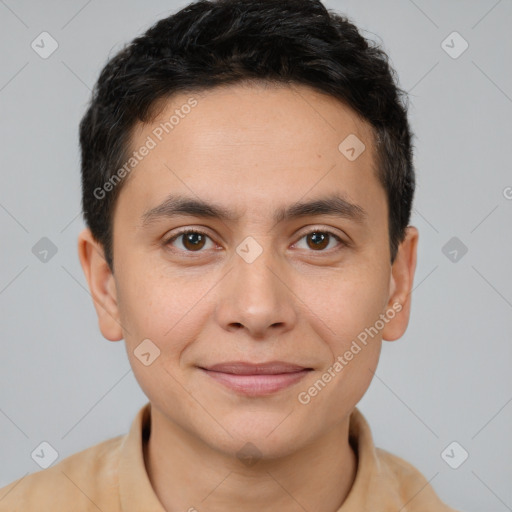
[259, 379]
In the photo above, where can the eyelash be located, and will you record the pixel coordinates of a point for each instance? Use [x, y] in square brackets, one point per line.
[175, 236]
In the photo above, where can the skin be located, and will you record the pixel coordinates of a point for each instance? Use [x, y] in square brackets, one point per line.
[252, 149]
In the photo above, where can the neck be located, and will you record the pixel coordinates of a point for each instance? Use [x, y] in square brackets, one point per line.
[188, 474]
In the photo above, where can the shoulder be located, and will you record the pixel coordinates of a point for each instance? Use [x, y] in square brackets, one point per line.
[412, 487]
[86, 480]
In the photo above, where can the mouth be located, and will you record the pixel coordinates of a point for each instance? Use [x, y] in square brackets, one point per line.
[256, 379]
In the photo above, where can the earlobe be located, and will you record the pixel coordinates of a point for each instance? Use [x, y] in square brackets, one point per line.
[101, 285]
[401, 282]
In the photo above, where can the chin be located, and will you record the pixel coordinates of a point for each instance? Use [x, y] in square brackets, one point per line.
[267, 436]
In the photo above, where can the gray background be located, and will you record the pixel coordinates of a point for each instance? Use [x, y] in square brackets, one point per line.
[448, 379]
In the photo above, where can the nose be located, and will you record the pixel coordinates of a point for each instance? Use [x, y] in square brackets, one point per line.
[255, 296]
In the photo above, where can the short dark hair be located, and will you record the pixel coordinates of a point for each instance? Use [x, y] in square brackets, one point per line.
[212, 43]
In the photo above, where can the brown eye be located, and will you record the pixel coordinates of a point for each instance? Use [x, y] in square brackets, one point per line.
[318, 240]
[191, 241]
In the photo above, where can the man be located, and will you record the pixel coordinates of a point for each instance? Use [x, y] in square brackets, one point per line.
[247, 186]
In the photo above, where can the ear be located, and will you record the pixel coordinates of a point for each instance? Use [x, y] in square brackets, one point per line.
[400, 286]
[101, 284]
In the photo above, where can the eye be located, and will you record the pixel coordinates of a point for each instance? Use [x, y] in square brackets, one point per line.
[192, 240]
[318, 239]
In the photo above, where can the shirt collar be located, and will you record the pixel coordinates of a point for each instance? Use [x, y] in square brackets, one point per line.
[374, 487]
[135, 490]
[372, 480]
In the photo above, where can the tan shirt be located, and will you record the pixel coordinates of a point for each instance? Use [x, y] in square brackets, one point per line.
[111, 477]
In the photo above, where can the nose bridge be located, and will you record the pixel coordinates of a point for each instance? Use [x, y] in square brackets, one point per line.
[256, 296]
[255, 271]
[253, 263]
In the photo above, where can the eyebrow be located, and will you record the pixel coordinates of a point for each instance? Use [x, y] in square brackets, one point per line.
[182, 205]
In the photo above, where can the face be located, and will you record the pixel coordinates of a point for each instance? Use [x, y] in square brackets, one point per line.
[270, 279]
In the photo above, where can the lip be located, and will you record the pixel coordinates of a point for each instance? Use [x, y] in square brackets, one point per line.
[256, 379]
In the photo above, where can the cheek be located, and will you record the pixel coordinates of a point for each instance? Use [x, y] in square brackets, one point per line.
[169, 313]
[348, 310]
[167, 309]
[347, 303]
[144, 307]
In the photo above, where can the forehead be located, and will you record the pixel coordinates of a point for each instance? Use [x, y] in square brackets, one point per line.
[253, 145]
